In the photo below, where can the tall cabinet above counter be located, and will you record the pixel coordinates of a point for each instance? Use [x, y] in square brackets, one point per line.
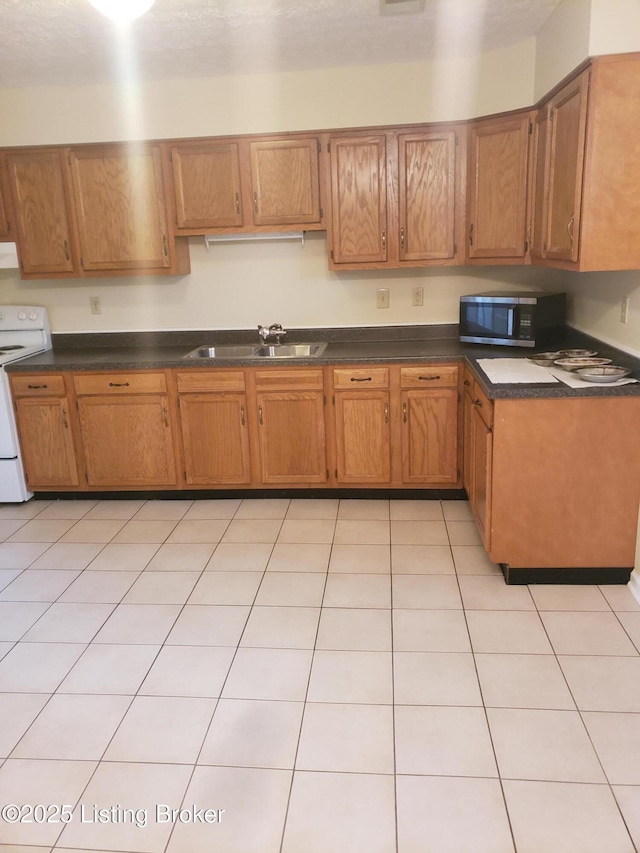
[551, 185]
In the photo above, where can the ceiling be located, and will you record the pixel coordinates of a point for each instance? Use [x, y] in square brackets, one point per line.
[67, 42]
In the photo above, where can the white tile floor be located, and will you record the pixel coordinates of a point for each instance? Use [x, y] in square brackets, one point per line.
[338, 677]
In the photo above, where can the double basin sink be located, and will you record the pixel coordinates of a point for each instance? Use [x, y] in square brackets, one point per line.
[259, 351]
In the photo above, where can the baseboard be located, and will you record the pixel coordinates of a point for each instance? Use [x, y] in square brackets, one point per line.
[222, 494]
[570, 575]
[634, 585]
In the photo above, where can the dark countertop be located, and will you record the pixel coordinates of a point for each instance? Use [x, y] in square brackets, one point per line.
[368, 345]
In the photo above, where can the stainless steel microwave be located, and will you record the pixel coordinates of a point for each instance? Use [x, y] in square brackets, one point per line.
[511, 319]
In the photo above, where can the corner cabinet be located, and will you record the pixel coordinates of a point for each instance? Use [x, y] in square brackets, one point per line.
[497, 221]
[45, 234]
[396, 198]
[477, 418]
[587, 206]
[120, 202]
[247, 184]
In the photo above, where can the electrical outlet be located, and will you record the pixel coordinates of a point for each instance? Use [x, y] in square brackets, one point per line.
[382, 297]
[624, 309]
[94, 305]
[417, 296]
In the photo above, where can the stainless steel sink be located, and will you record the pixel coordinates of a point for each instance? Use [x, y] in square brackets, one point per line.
[223, 351]
[261, 352]
[290, 351]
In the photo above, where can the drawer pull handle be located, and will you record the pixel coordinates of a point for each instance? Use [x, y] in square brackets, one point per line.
[165, 247]
[64, 419]
[356, 379]
[165, 412]
[118, 385]
[386, 413]
[429, 378]
[242, 415]
[35, 387]
[404, 413]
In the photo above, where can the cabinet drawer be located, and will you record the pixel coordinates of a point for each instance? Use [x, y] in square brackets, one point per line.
[429, 376]
[120, 383]
[215, 380]
[361, 377]
[283, 380]
[483, 404]
[38, 385]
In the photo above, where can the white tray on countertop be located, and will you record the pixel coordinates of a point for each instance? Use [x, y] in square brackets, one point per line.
[508, 371]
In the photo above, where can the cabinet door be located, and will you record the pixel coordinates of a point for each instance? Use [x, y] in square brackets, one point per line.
[567, 128]
[285, 181]
[207, 185]
[430, 436]
[363, 437]
[498, 155]
[358, 199]
[540, 189]
[467, 407]
[480, 498]
[4, 201]
[427, 195]
[46, 441]
[119, 196]
[215, 438]
[41, 209]
[127, 441]
[291, 437]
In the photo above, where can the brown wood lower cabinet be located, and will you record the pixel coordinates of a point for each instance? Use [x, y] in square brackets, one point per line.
[126, 433]
[429, 435]
[291, 433]
[554, 483]
[44, 427]
[363, 425]
[214, 427]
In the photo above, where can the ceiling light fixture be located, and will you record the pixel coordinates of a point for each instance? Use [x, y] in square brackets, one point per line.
[122, 10]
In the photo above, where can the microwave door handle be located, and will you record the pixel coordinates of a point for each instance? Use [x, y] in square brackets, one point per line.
[511, 321]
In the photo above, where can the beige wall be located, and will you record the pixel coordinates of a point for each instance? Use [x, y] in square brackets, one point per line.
[239, 286]
[562, 43]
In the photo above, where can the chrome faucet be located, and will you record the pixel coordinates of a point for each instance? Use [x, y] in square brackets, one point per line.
[275, 330]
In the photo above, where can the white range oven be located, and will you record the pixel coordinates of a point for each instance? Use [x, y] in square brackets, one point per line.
[24, 331]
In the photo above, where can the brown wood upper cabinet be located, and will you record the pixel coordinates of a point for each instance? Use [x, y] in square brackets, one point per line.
[587, 210]
[395, 198]
[497, 189]
[43, 215]
[247, 184]
[119, 198]
[5, 220]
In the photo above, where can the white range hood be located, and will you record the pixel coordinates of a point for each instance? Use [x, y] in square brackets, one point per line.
[9, 257]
